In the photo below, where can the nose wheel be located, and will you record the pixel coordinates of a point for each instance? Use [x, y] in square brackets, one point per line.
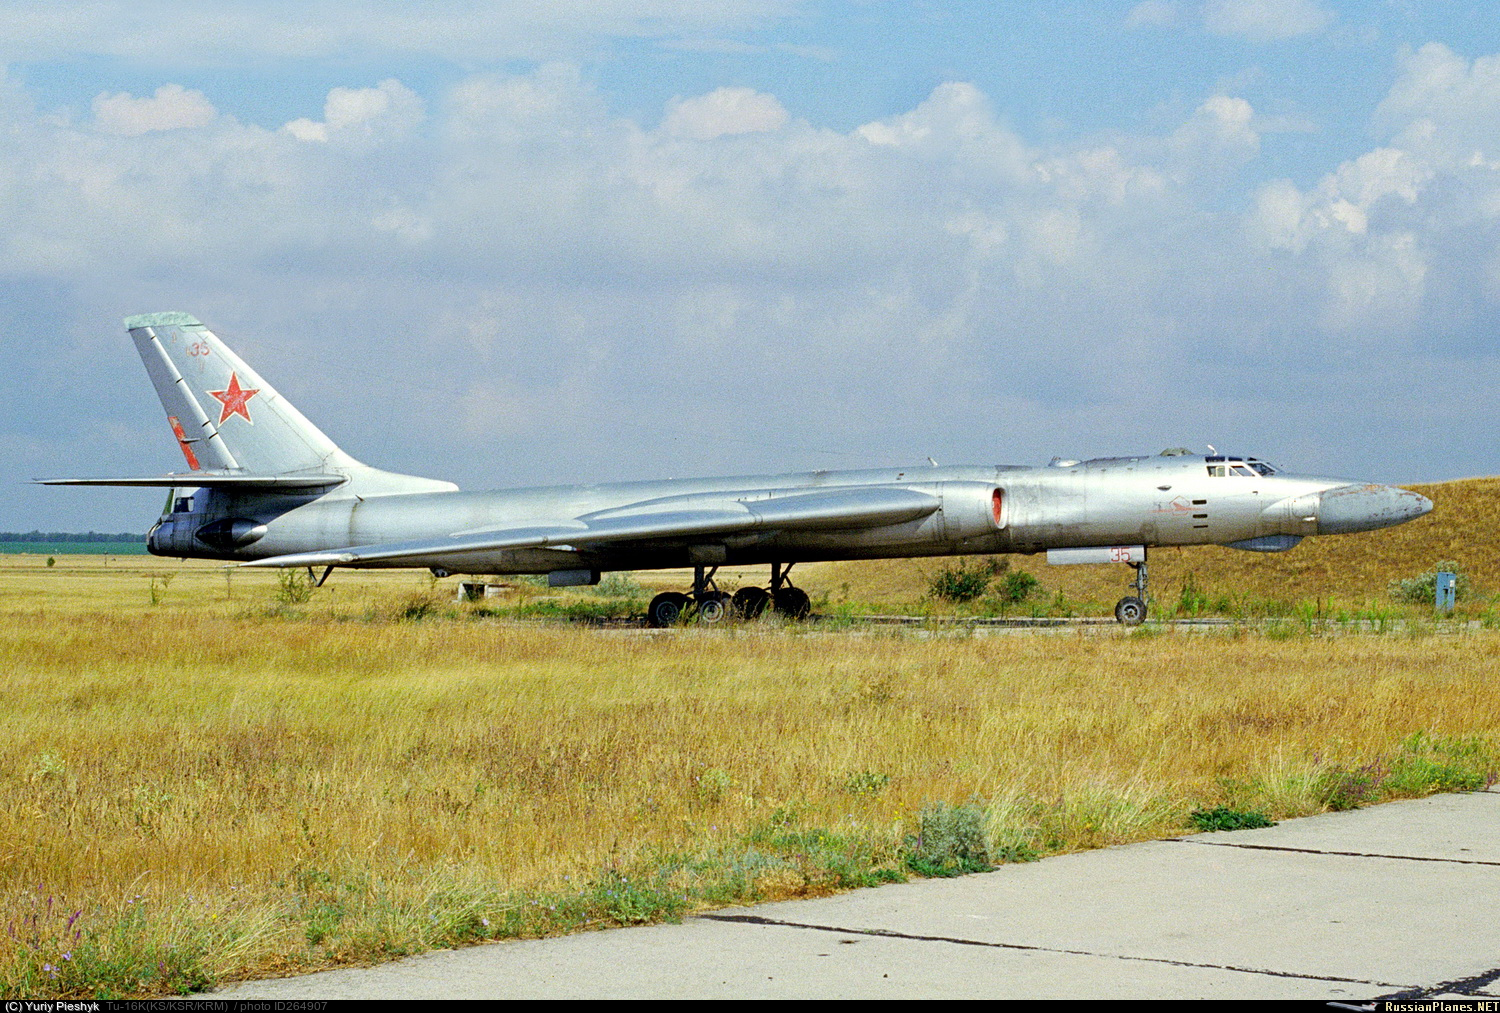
[1131, 610]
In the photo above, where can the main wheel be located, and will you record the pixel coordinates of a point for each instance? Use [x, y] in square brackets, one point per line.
[666, 609]
[713, 608]
[1130, 611]
[791, 602]
[749, 602]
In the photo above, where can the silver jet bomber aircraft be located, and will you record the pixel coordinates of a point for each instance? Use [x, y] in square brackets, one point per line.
[265, 487]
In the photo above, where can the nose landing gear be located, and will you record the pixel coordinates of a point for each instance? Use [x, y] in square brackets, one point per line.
[1131, 610]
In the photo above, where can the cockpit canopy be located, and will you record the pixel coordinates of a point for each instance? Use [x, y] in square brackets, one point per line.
[1220, 466]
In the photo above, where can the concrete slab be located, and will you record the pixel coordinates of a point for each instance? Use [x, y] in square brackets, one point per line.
[1399, 899]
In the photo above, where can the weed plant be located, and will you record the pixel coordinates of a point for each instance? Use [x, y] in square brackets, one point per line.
[293, 587]
[1222, 817]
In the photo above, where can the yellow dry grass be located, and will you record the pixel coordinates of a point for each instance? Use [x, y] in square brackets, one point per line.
[219, 756]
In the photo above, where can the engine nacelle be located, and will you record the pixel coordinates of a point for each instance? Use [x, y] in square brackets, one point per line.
[971, 509]
[172, 536]
[231, 533]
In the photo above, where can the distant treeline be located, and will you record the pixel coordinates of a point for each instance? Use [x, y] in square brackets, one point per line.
[69, 536]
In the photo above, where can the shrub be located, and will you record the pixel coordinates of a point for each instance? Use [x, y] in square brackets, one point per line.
[1422, 590]
[1016, 587]
[961, 581]
[293, 587]
[619, 584]
[950, 841]
[418, 606]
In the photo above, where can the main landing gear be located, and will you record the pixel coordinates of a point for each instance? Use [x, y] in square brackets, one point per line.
[712, 605]
[1131, 610]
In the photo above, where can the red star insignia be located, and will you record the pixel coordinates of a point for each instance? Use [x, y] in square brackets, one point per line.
[234, 398]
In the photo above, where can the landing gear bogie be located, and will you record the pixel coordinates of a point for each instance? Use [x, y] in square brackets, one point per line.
[708, 604]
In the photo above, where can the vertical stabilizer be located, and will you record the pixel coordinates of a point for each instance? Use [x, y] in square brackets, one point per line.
[225, 416]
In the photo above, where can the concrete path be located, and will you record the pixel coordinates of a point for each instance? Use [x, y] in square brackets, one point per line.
[1401, 900]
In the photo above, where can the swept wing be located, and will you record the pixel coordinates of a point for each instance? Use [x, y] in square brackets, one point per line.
[857, 507]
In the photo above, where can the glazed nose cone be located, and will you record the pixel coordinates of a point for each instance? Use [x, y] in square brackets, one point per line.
[1367, 507]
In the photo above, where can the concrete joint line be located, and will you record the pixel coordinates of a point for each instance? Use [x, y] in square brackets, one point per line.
[887, 933]
[1459, 986]
[1340, 854]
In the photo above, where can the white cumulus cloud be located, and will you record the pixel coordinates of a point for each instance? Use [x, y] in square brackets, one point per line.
[869, 286]
[1220, 134]
[390, 108]
[173, 107]
[1445, 107]
[725, 111]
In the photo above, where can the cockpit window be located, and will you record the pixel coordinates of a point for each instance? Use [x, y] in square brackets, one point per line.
[1220, 467]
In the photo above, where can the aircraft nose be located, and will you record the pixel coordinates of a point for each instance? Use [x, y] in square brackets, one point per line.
[1367, 507]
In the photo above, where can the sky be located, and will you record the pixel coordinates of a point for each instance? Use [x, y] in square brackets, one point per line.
[517, 243]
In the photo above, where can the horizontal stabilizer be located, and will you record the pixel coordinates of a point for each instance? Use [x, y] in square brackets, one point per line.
[209, 480]
[834, 509]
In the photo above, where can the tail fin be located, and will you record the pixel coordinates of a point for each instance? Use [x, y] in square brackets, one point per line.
[225, 416]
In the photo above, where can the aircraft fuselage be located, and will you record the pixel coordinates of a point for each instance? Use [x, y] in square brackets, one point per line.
[1147, 500]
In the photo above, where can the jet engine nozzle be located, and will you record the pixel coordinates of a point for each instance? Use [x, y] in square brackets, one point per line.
[1367, 507]
[231, 533]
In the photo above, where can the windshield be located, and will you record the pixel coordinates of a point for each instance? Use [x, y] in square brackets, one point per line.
[1220, 467]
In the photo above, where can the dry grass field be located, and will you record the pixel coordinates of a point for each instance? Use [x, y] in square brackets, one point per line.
[202, 779]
